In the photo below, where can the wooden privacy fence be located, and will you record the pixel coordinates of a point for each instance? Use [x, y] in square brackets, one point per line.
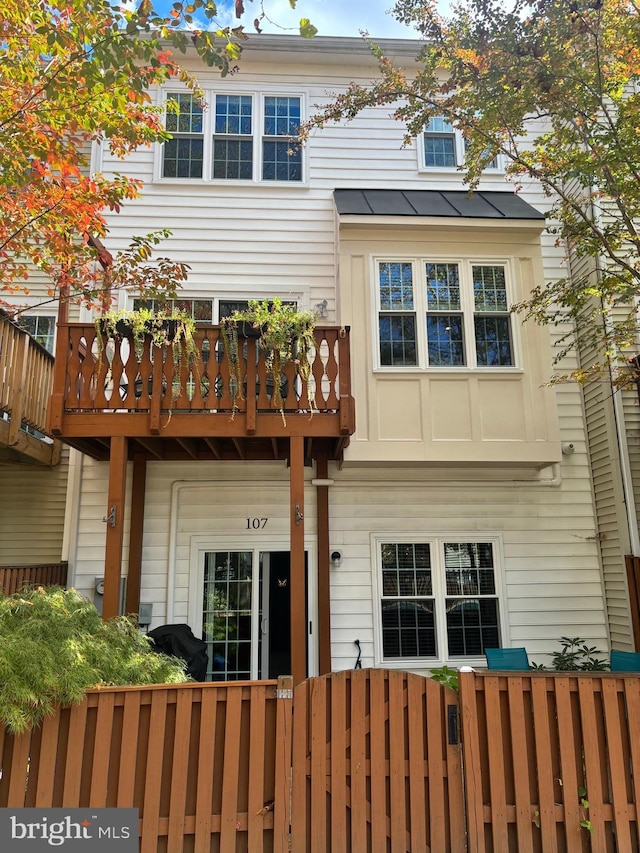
[362, 761]
[551, 762]
[202, 763]
[210, 767]
[13, 578]
[373, 769]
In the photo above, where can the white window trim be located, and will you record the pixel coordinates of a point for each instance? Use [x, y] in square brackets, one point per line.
[459, 148]
[258, 97]
[435, 541]
[467, 309]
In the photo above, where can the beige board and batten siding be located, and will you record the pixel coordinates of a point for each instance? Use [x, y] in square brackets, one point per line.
[456, 415]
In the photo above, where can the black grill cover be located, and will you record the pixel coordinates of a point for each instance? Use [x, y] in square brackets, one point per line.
[179, 641]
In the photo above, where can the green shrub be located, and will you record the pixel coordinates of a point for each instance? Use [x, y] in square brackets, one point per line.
[575, 656]
[54, 646]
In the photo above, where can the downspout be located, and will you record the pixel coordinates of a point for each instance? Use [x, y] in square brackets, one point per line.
[619, 422]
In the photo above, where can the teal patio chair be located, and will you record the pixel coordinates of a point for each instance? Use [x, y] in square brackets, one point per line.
[507, 659]
[625, 661]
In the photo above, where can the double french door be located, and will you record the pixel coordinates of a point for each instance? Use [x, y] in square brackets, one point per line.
[246, 614]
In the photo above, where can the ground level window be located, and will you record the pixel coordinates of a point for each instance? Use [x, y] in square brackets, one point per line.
[471, 604]
[408, 626]
[438, 599]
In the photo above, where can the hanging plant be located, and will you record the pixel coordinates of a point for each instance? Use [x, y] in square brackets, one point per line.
[284, 334]
[163, 328]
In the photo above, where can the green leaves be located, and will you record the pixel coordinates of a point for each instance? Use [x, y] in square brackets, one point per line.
[72, 73]
[546, 87]
[307, 30]
[55, 646]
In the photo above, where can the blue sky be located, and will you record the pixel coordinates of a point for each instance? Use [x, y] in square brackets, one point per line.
[331, 17]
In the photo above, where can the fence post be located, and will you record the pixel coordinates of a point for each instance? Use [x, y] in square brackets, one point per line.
[282, 792]
[471, 766]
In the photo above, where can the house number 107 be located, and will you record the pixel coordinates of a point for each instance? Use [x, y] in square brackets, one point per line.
[256, 523]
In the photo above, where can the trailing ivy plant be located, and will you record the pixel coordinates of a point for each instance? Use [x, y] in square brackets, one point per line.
[285, 334]
[174, 327]
[55, 646]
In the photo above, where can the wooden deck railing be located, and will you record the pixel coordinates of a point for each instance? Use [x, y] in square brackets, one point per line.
[13, 578]
[26, 382]
[99, 375]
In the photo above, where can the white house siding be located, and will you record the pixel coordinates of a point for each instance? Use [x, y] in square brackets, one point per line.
[612, 524]
[264, 240]
[551, 578]
[631, 410]
[612, 421]
[252, 239]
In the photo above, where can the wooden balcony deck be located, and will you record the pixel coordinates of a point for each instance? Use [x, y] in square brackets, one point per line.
[26, 382]
[192, 409]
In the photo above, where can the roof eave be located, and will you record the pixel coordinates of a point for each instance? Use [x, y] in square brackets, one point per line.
[350, 220]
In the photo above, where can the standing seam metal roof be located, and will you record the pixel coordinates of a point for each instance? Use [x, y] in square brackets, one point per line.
[456, 203]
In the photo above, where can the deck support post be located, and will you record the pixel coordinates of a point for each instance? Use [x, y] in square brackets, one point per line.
[134, 575]
[298, 585]
[114, 519]
[324, 580]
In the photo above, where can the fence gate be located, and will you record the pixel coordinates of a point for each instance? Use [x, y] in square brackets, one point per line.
[373, 766]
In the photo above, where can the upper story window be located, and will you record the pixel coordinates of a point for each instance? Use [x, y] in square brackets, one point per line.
[280, 162]
[439, 143]
[443, 314]
[42, 327]
[443, 146]
[183, 155]
[235, 137]
[202, 310]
